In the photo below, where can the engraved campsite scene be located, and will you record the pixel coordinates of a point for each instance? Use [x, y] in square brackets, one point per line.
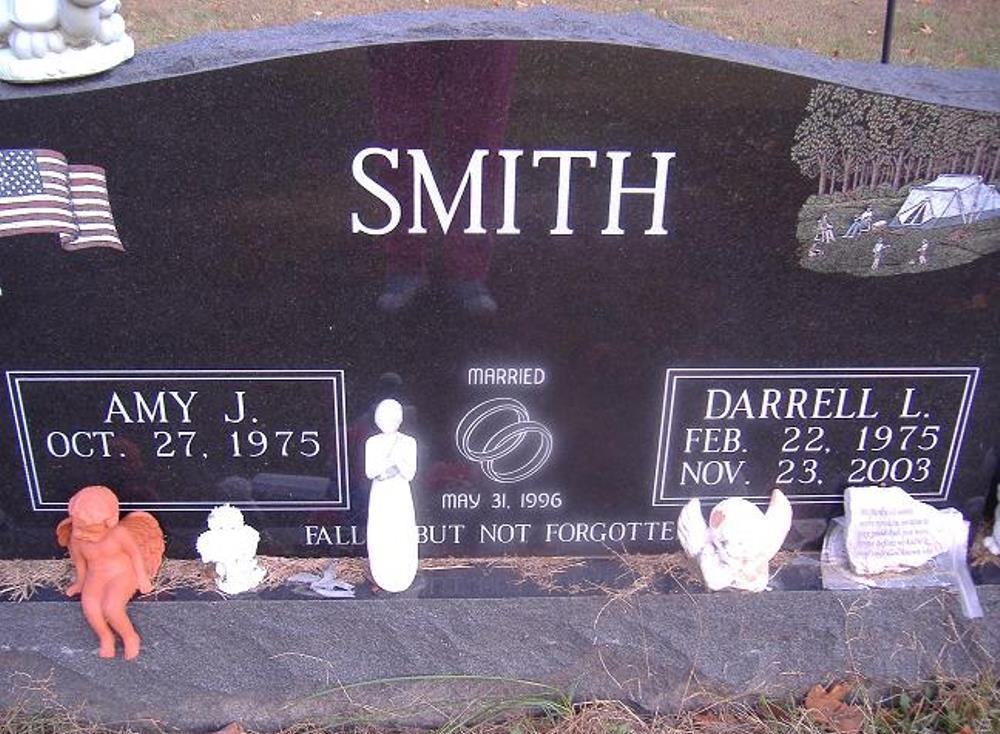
[902, 186]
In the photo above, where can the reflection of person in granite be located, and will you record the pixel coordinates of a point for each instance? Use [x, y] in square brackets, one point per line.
[127, 472]
[6, 533]
[463, 89]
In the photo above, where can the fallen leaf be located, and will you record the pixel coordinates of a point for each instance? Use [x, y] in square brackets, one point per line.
[835, 53]
[925, 29]
[233, 728]
[706, 719]
[819, 696]
[828, 709]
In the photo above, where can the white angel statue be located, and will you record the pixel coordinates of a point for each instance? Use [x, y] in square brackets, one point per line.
[232, 546]
[61, 39]
[734, 548]
[391, 463]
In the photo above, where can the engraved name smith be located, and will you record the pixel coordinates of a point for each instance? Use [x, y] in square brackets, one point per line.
[565, 163]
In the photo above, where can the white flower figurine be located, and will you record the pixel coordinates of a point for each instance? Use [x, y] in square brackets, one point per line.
[232, 546]
[735, 547]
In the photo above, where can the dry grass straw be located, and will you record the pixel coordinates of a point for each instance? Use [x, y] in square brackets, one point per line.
[37, 710]
[542, 571]
[22, 579]
[957, 706]
[645, 569]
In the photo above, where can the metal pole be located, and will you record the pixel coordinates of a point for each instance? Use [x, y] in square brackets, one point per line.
[890, 12]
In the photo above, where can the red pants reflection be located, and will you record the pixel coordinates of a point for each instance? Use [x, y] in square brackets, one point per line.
[463, 89]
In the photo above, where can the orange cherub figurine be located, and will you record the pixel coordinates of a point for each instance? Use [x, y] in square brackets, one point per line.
[113, 560]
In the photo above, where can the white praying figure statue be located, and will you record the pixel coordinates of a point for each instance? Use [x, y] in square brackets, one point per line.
[391, 463]
[232, 546]
[735, 547]
[46, 40]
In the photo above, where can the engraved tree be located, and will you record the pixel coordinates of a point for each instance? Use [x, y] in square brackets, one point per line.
[851, 133]
[884, 138]
[816, 145]
[915, 124]
[949, 137]
[982, 132]
[851, 139]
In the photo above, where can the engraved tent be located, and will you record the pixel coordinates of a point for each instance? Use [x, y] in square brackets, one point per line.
[949, 199]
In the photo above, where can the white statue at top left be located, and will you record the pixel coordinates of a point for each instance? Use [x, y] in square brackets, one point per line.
[47, 40]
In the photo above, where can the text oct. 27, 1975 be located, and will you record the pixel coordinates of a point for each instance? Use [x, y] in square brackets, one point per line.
[191, 430]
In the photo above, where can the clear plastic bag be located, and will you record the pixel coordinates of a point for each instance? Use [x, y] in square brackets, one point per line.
[947, 570]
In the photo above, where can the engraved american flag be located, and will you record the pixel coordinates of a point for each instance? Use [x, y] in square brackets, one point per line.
[41, 192]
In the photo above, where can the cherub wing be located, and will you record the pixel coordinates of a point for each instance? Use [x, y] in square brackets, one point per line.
[149, 537]
[63, 532]
[691, 528]
[778, 521]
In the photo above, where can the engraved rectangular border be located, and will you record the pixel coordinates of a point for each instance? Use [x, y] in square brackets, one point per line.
[969, 374]
[15, 378]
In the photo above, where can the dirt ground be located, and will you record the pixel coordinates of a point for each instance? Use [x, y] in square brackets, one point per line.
[944, 33]
[957, 707]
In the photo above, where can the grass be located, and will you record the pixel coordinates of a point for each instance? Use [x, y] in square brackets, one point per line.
[943, 33]
[969, 706]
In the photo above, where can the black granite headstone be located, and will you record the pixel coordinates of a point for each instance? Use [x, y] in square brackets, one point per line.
[639, 275]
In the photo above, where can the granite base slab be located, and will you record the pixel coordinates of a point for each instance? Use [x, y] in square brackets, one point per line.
[261, 662]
